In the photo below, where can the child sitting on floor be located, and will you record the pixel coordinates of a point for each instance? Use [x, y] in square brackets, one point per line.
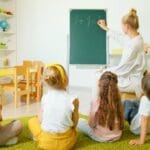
[106, 114]
[9, 133]
[137, 113]
[55, 128]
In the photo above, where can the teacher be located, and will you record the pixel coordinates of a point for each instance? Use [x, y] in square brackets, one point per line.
[132, 65]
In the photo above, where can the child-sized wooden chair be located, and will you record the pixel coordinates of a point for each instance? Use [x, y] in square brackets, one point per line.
[128, 96]
[36, 70]
[27, 63]
[37, 80]
[18, 89]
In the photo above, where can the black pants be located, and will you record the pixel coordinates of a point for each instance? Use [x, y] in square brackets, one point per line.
[131, 108]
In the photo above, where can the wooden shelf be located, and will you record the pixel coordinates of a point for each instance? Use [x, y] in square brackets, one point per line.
[5, 16]
[6, 52]
[6, 33]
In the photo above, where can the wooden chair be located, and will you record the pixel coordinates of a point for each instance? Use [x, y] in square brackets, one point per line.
[37, 80]
[27, 63]
[128, 96]
[16, 86]
[36, 70]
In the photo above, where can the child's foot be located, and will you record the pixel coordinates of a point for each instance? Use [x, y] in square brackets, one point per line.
[31, 137]
[12, 141]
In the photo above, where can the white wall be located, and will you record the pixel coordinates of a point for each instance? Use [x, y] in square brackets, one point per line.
[43, 28]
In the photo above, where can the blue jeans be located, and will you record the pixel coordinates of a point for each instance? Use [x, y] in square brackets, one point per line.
[130, 109]
[87, 130]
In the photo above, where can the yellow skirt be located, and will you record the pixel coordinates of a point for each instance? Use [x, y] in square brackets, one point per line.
[52, 141]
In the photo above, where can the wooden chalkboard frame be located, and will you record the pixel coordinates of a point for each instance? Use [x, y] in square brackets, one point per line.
[69, 46]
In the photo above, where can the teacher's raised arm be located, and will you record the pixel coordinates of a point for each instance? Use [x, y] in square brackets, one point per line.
[102, 24]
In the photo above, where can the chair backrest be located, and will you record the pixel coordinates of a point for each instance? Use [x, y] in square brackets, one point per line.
[39, 65]
[27, 63]
[22, 72]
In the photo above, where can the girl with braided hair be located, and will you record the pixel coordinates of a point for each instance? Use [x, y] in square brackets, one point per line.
[106, 114]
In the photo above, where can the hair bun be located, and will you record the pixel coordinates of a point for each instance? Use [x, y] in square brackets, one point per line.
[133, 12]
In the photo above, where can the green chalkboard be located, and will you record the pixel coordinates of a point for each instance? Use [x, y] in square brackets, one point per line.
[87, 39]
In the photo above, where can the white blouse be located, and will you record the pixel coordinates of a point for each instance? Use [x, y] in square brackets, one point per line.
[132, 65]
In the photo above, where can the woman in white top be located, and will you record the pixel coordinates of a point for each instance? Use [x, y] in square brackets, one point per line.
[55, 127]
[132, 65]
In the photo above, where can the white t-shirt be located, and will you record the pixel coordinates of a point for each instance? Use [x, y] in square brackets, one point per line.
[57, 107]
[144, 109]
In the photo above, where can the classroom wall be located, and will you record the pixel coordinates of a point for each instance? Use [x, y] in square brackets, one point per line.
[43, 30]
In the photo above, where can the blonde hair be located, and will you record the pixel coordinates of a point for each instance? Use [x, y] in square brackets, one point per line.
[131, 19]
[55, 76]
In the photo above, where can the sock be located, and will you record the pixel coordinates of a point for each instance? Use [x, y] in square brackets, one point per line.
[32, 137]
[12, 141]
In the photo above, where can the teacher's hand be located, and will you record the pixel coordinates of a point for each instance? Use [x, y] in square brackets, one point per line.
[102, 24]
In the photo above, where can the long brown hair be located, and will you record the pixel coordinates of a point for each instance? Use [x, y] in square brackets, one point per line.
[110, 107]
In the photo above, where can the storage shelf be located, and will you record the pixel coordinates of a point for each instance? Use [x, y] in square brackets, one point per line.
[8, 37]
[6, 51]
[5, 16]
[6, 33]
